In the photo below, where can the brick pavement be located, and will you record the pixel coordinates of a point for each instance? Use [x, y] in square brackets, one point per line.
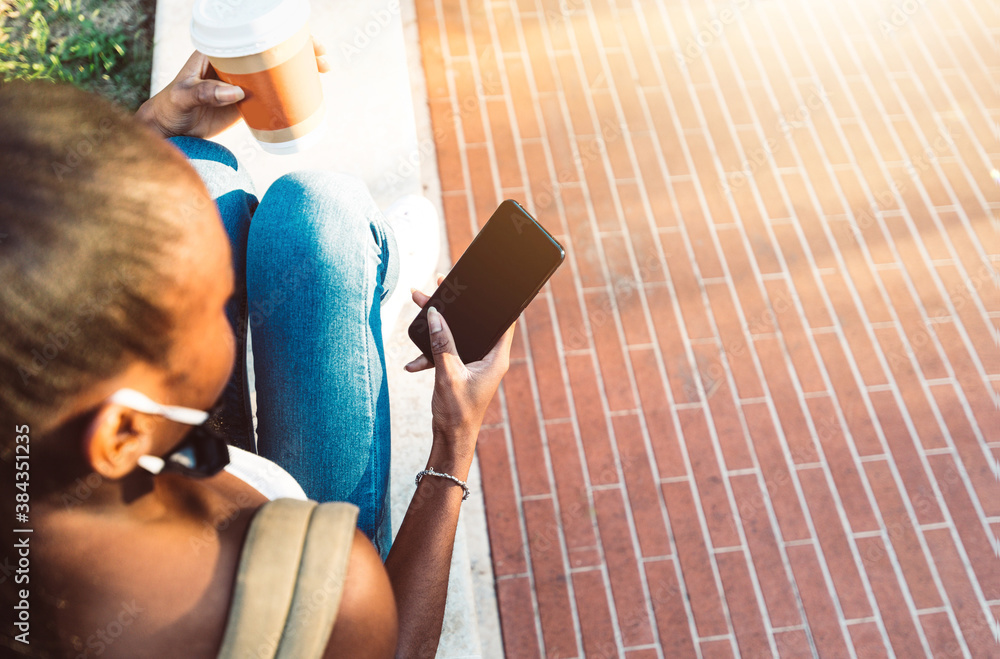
[755, 413]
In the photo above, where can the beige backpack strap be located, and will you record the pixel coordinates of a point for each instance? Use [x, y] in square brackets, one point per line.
[290, 580]
[320, 585]
[265, 579]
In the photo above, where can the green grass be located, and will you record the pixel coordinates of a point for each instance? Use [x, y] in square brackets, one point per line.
[103, 46]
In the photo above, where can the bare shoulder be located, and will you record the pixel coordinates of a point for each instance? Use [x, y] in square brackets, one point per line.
[162, 588]
[366, 623]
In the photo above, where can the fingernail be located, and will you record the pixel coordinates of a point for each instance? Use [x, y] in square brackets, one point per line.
[412, 291]
[229, 94]
[433, 320]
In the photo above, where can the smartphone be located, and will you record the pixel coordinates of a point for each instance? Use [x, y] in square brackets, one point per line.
[499, 274]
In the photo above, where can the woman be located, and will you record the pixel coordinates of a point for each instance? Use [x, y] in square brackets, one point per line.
[122, 292]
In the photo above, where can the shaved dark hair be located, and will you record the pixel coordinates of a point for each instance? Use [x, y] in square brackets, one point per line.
[92, 204]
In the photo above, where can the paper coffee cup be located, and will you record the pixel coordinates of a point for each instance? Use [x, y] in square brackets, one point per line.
[264, 47]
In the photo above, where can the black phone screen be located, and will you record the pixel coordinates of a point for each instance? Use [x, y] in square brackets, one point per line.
[494, 280]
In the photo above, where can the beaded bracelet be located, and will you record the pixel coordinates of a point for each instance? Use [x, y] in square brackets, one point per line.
[430, 472]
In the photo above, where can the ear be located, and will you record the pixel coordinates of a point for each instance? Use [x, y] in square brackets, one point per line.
[115, 439]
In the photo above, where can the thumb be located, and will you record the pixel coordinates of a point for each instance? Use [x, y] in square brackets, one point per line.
[442, 342]
[215, 93]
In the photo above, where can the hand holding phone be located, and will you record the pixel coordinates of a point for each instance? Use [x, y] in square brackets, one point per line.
[499, 274]
[466, 327]
[462, 392]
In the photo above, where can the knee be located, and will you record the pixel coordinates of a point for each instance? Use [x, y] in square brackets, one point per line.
[331, 209]
[311, 234]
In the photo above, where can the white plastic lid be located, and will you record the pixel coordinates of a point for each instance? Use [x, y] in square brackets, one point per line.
[234, 28]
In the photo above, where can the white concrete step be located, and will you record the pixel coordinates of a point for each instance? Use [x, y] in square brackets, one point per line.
[378, 130]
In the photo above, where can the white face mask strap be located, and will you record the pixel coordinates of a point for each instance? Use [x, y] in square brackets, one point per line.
[140, 402]
[151, 463]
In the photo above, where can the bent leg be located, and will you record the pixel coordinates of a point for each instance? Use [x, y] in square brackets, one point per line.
[230, 186]
[320, 259]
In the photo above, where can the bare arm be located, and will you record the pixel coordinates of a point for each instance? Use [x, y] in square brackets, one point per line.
[366, 621]
[420, 558]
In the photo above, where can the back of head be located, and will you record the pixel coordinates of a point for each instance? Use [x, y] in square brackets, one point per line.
[92, 206]
[91, 203]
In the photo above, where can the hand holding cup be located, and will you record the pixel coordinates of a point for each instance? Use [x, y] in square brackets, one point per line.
[197, 104]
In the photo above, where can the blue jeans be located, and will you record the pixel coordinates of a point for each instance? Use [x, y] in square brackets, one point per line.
[317, 258]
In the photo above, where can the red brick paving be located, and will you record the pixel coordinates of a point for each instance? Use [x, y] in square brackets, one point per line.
[755, 413]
